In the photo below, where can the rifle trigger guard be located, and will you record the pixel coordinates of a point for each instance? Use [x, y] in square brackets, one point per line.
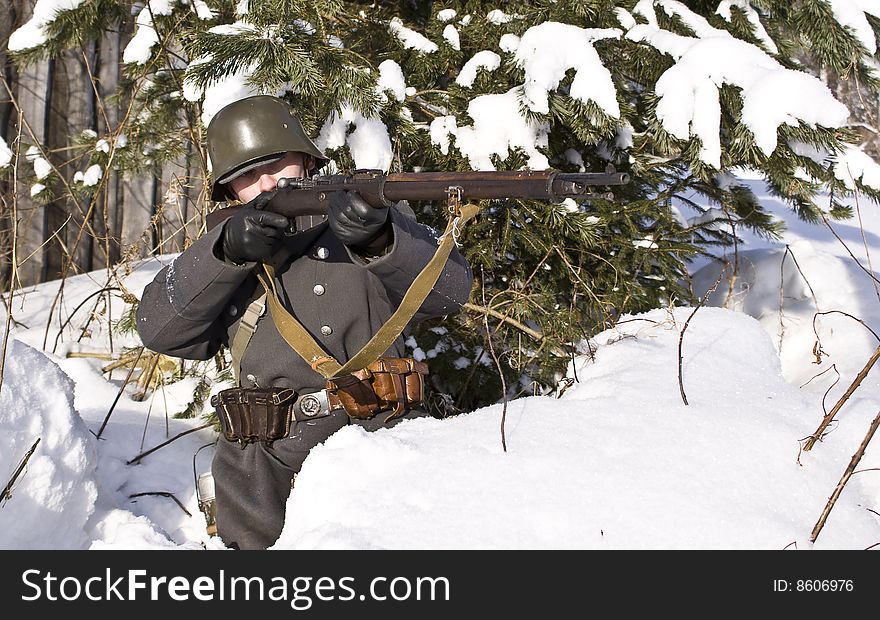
[453, 205]
[453, 199]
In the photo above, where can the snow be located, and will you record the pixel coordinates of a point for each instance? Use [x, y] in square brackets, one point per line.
[548, 50]
[485, 59]
[145, 36]
[851, 15]
[42, 168]
[754, 18]
[391, 78]
[50, 506]
[410, 39]
[498, 127]
[5, 153]
[367, 138]
[499, 17]
[617, 461]
[450, 35]
[688, 91]
[445, 15]
[91, 176]
[33, 32]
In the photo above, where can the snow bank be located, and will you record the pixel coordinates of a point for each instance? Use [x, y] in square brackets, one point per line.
[54, 495]
[618, 462]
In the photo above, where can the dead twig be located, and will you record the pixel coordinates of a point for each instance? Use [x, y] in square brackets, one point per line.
[846, 247]
[683, 329]
[162, 494]
[75, 310]
[847, 474]
[500, 372]
[119, 393]
[13, 259]
[817, 435]
[782, 289]
[846, 314]
[7, 490]
[165, 443]
[505, 319]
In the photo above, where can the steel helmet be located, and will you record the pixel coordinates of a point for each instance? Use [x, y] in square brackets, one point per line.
[251, 132]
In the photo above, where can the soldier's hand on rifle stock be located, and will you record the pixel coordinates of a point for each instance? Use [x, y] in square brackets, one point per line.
[357, 224]
[252, 233]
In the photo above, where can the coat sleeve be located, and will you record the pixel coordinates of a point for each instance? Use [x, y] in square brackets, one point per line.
[413, 247]
[180, 311]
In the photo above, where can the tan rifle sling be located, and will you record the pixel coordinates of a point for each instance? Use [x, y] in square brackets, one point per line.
[325, 364]
[246, 328]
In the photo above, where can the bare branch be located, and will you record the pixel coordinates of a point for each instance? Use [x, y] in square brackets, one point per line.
[162, 494]
[165, 443]
[683, 329]
[847, 474]
[817, 435]
[7, 490]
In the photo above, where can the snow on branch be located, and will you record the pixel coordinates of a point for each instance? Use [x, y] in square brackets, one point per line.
[689, 90]
[548, 50]
[33, 32]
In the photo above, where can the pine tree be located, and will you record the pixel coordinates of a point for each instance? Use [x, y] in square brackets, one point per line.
[547, 276]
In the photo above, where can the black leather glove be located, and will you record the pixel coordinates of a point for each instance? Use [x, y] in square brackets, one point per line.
[357, 224]
[252, 233]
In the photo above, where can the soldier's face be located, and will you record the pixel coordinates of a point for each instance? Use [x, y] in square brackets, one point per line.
[264, 178]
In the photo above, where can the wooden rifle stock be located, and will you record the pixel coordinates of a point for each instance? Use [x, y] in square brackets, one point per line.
[310, 196]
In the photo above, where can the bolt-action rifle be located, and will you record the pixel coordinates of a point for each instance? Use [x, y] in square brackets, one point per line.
[310, 196]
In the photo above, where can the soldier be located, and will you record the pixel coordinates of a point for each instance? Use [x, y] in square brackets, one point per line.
[341, 275]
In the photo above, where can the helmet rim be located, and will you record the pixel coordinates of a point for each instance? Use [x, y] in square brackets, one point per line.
[250, 132]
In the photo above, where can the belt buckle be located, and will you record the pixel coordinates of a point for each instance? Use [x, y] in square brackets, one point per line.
[314, 404]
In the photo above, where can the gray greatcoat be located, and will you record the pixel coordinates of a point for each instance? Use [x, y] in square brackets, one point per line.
[194, 304]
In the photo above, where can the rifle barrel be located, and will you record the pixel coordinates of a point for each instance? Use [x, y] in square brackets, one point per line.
[546, 184]
[309, 196]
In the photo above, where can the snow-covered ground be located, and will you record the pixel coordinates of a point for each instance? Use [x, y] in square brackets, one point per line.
[618, 461]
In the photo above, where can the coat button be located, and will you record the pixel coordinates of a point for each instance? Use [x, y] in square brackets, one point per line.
[319, 290]
[322, 253]
[326, 330]
[232, 310]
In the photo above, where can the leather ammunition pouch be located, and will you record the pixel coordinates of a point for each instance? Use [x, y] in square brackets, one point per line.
[388, 384]
[266, 414]
[254, 414]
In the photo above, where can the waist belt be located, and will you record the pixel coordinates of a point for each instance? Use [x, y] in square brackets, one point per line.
[392, 385]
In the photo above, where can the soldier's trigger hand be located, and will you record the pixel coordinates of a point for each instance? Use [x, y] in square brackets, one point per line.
[252, 234]
[353, 221]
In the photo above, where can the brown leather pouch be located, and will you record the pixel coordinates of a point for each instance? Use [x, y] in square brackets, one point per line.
[254, 414]
[389, 384]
